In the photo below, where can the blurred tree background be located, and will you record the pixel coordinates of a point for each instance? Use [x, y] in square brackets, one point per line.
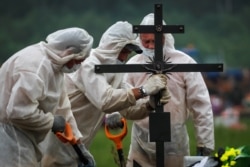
[218, 29]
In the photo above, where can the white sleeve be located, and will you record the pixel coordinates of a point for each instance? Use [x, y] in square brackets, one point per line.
[101, 93]
[64, 109]
[198, 101]
[23, 107]
[136, 112]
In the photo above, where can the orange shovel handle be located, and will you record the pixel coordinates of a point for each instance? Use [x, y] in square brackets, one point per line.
[117, 138]
[67, 136]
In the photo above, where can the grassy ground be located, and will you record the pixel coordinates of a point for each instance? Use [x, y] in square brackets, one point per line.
[103, 149]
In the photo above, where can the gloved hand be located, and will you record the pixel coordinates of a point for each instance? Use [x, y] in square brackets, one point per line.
[58, 124]
[203, 151]
[88, 156]
[113, 120]
[155, 83]
[164, 98]
[67, 135]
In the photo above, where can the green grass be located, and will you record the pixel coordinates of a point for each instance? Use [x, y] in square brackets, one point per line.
[104, 151]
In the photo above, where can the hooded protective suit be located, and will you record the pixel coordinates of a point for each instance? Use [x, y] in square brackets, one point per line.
[32, 91]
[188, 94]
[92, 95]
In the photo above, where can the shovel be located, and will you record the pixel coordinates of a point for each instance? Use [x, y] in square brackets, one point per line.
[117, 139]
[68, 136]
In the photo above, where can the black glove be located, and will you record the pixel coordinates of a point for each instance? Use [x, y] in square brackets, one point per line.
[58, 124]
[88, 156]
[203, 151]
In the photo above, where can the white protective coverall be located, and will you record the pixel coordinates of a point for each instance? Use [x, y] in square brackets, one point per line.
[32, 90]
[92, 95]
[188, 94]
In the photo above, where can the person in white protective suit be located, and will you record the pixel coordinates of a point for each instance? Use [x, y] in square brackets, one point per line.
[188, 94]
[33, 95]
[92, 95]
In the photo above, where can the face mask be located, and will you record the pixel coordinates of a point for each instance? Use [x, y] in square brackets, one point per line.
[151, 52]
[65, 69]
[119, 61]
[148, 52]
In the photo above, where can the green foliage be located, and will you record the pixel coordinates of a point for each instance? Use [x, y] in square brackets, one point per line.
[218, 29]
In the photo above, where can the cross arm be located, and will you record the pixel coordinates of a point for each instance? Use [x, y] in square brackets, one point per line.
[128, 68]
[159, 28]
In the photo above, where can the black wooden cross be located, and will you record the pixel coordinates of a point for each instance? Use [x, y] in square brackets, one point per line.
[158, 119]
